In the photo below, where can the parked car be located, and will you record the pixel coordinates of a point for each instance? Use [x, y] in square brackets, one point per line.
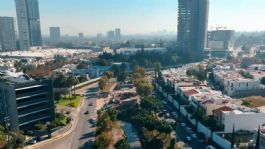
[175, 115]
[87, 112]
[210, 147]
[194, 136]
[188, 139]
[93, 121]
[167, 115]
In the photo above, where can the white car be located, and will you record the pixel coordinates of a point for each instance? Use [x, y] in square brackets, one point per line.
[194, 136]
[183, 124]
[210, 147]
[188, 138]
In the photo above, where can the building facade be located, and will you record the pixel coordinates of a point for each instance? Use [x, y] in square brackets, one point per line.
[26, 103]
[81, 36]
[34, 22]
[28, 18]
[118, 33]
[7, 33]
[55, 34]
[220, 42]
[111, 35]
[192, 27]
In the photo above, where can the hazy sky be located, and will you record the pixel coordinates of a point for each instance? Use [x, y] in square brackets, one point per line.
[138, 16]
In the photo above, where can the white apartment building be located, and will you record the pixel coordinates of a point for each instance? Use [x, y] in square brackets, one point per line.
[243, 120]
[232, 82]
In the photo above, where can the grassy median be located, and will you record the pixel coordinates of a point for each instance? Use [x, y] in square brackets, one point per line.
[69, 101]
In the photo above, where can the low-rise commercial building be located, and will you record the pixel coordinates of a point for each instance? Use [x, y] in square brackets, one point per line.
[24, 101]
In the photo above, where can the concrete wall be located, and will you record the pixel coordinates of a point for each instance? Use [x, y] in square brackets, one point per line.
[201, 128]
[170, 98]
[176, 104]
[243, 121]
[256, 92]
[241, 86]
[222, 142]
[183, 111]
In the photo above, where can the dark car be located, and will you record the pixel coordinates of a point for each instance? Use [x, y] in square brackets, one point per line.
[87, 112]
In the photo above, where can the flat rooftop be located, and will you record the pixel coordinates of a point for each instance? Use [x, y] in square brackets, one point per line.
[42, 53]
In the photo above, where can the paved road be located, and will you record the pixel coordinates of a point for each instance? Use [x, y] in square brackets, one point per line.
[181, 131]
[83, 135]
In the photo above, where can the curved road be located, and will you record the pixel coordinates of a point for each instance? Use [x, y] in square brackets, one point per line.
[83, 135]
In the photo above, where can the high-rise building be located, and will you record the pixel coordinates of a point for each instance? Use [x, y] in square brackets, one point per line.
[220, 42]
[99, 36]
[111, 35]
[192, 27]
[23, 27]
[117, 33]
[34, 22]
[7, 33]
[24, 101]
[28, 18]
[55, 34]
[221, 39]
[81, 36]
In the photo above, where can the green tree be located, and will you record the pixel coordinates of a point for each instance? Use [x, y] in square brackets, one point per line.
[108, 74]
[113, 114]
[60, 81]
[102, 141]
[144, 89]
[139, 70]
[72, 81]
[3, 136]
[257, 146]
[150, 104]
[82, 65]
[103, 82]
[263, 80]
[122, 144]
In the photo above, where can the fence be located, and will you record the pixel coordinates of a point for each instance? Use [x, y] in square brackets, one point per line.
[170, 98]
[220, 141]
[201, 128]
[80, 85]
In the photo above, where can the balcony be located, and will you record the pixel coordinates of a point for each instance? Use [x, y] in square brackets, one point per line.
[31, 103]
[33, 111]
[29, 87]
[31, 94]
[32, 120]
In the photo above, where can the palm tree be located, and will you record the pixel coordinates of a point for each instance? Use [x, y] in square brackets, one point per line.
[75, 82]
[233, 137]
[70, 83]
[258, 139]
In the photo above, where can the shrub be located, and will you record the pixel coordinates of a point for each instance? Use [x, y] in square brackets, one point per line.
[72, 104]
[122, 144]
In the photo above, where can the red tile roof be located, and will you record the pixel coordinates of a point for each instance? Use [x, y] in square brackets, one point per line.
[221, 109]
[207, 102]
[190, 92]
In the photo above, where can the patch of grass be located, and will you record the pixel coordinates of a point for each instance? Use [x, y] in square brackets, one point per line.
[254, 101]
[69, 101]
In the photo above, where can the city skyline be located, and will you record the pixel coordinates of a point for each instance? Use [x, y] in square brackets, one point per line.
[103, 16]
